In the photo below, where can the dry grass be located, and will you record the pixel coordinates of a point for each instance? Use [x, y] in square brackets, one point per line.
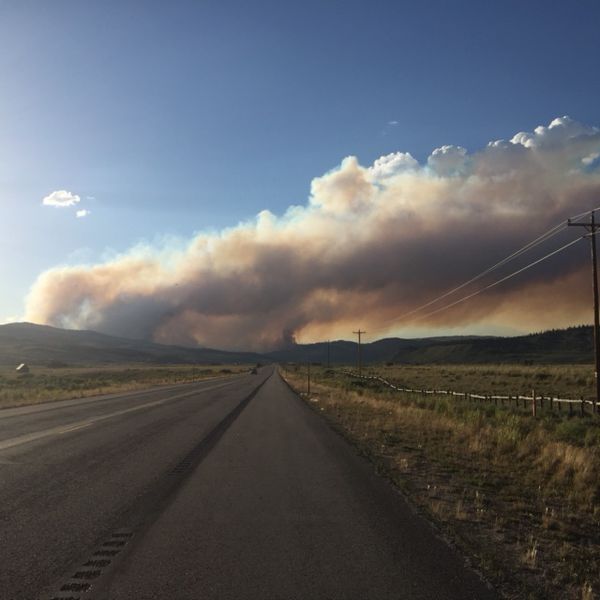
[521, 496]
[571, 381]
[45, 384]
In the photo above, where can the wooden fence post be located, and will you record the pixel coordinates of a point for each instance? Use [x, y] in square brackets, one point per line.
[533, 404]
[582, 407]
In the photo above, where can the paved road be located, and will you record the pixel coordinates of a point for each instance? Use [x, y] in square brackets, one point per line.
[223, 489]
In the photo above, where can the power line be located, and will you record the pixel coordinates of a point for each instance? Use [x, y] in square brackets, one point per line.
[495, 283]
[487, 271]
[529, 246]
[593, 227]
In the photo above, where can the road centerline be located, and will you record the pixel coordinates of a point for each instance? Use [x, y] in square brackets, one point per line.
[76, 425]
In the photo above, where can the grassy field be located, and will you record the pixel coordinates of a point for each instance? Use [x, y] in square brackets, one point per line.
[520, 496]
[45, 384]
[565, 381]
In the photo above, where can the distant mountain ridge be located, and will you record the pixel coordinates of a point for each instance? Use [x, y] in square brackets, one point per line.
[345, 352]
[44, 345]
[572, 345]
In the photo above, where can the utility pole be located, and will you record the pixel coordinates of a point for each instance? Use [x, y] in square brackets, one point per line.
[592, 227]
[328, 354]
[359, 334]
[308, 379]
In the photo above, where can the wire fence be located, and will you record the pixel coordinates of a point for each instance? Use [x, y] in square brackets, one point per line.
[579, 405]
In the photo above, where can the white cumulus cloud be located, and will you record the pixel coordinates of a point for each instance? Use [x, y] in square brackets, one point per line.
[84, 212]
[372, 243]
[392, 164]
[559, 131]
[448, 160]
[61, 199]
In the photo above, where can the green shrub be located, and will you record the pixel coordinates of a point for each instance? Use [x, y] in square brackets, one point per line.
[592, 436]
[572, 431]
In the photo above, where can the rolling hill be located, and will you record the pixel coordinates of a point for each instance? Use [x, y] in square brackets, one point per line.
[344, 352]
[572, 345]
[44, 345]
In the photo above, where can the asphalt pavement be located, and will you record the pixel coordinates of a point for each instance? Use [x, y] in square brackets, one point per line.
[221, 489]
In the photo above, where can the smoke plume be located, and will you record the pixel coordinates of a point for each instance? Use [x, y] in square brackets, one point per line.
[372, 243]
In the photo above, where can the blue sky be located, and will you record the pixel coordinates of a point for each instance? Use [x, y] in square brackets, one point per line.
[168, 118]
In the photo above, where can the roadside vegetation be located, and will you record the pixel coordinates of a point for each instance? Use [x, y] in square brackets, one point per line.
[45, 384]
[519, 495]
[565, 381]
